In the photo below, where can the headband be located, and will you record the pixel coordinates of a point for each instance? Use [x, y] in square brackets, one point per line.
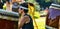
[23, 7]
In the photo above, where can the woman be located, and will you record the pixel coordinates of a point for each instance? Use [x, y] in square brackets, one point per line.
[25, 21]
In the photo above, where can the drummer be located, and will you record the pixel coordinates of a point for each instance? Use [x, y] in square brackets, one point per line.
[25, 21]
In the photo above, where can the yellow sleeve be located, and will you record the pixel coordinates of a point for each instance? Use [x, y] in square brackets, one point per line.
[4, 6]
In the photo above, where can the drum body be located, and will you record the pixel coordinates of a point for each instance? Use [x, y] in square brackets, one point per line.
[53, 16]
[8, 20]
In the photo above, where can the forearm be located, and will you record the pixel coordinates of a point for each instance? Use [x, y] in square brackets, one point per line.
[19, 27]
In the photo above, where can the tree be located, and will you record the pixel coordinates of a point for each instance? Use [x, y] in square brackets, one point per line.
[44, 3]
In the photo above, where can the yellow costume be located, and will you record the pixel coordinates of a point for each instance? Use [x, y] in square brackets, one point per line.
[31, 12]
[4, 6]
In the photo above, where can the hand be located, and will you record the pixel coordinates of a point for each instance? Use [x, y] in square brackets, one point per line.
[20, 28]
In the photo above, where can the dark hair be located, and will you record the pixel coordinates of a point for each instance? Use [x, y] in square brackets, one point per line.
[25, 5]
[31, 4]
[25, 11]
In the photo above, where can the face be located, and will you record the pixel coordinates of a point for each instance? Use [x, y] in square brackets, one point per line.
[20, 11]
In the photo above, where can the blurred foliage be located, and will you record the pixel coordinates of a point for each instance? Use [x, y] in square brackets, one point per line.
[36, 5]
[47, 0]
[36, 8]
[36, 15]
[58, 1]
[52, 0]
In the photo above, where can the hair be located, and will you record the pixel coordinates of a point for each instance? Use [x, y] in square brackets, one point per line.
[25, 5]
[31, 4]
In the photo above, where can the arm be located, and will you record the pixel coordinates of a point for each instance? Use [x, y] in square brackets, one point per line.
[22, 21]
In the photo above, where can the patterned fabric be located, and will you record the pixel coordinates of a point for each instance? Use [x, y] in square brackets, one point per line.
[54, 11]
